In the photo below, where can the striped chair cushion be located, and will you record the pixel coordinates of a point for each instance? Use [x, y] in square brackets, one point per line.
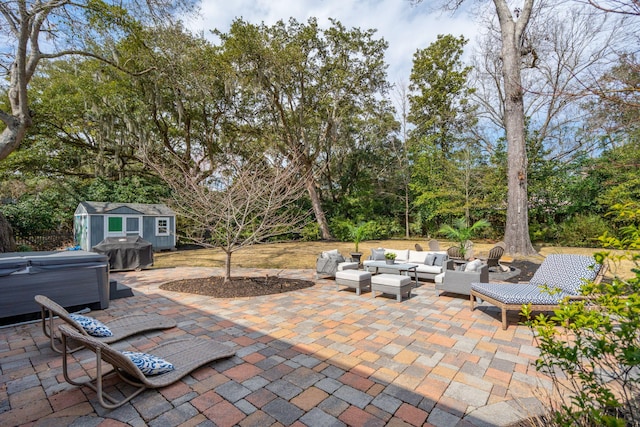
[566, 272]
[519, 293]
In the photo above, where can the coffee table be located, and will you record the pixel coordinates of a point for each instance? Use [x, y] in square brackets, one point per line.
[401, 267]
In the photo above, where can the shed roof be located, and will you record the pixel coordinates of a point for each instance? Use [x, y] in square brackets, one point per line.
[100, 208]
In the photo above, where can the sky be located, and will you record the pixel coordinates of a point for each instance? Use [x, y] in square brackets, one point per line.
[406, 28]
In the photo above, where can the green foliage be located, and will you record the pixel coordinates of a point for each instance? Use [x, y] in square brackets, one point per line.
[43, 205]
[460, 232]
[311, 232]
[390, 255]
[582, 230]
[597, 349]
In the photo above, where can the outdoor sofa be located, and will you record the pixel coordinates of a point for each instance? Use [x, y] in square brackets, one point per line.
[430, 263]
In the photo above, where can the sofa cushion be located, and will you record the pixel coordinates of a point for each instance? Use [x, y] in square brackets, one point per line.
[402, 255]
[377, 254]
[417, 257]
[433, 269]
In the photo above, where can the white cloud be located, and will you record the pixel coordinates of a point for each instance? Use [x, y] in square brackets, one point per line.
[406, 28]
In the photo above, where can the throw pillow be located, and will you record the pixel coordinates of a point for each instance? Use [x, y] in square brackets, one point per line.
[92, 326]
[338, 258]
[377, 254]
[430, 259]
[473, 266]
[329, 254]
[440, 258]
[148, 363]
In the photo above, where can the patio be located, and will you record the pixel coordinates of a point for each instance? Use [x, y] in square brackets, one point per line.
[311, 357]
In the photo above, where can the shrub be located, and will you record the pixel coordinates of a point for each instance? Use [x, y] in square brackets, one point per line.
[582, 230]
[597, 350]
[311, 232]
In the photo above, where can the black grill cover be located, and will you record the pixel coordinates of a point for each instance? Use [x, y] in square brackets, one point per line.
[126, 253]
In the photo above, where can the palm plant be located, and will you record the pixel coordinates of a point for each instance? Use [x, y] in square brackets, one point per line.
[460, 232]
[358, 233]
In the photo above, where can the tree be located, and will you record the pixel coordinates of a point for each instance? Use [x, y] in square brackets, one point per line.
[244, 202]
[439, 98]
[442, 115]
[624, 7]
[515, 47]
[42, 30]
[52, 29]
[305, 90]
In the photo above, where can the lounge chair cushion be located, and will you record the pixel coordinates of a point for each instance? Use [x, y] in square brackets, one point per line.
[566, 272]
[92, 326]
[148, 363]
[520, 293]
[430, 259]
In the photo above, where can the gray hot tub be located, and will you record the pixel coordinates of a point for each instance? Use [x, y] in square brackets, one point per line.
[71, 278]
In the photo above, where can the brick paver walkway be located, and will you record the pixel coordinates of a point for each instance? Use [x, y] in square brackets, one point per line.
[316, 357]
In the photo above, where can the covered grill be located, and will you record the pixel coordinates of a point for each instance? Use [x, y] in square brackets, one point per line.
[126, 253]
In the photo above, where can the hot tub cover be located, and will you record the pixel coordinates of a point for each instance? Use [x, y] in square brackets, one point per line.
[126, 253]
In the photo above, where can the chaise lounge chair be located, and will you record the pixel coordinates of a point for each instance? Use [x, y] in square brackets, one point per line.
[185, 354]
[563, 274]
[121, 327]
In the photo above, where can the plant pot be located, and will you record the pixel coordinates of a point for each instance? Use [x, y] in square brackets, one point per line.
[390, 261]
[355, 256]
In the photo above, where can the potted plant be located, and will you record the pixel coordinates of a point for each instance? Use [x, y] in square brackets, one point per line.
[461, 233]
[390, 257]
[357, 234]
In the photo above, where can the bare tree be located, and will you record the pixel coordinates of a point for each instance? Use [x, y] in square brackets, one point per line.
[399, 146]
[244, 202]
[513, 24]
[567, 49]
[624, 7]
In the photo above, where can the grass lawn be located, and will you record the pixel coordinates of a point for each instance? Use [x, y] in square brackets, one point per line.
[291, 255]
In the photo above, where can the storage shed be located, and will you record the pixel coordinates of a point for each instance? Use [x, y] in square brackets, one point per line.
[155, 223]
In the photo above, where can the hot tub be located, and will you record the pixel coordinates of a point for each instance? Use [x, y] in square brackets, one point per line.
[70, 278]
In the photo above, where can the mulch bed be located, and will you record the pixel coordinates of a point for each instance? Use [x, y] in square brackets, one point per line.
[527, 269]
[237, 287]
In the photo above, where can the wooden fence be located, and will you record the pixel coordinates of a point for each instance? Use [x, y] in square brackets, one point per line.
[44, 240]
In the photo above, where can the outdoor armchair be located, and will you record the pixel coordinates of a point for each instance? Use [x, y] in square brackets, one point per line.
[458, 278]
[331, 261]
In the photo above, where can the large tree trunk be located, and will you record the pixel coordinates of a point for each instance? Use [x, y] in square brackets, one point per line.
[321, 219]
[7, 243]
[516, 234]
